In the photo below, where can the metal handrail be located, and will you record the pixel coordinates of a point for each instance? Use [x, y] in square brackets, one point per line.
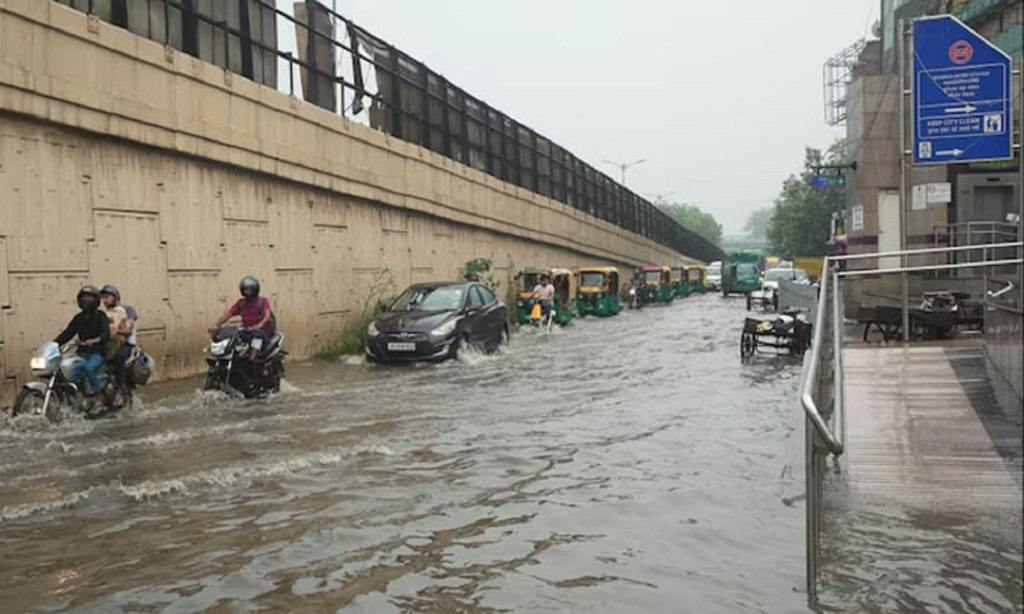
[820, 437]
[931, 267]
[928, 250]
[817, 344]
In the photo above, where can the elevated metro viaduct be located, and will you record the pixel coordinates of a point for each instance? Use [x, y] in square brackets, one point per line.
[123, 161]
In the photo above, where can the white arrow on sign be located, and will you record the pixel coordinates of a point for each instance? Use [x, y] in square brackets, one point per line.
[950, 152]
[963, 109]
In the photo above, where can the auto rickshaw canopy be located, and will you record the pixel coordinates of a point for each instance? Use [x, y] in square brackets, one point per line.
[664, 273]
[609, 279]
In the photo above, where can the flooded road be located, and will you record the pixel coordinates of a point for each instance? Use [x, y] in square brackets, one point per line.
[624, 465]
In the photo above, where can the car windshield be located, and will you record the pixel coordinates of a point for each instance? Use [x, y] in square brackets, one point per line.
[779, 275]
[427, 298]
[746, 269]
[592, 279]
[714, 270]
[799, 274]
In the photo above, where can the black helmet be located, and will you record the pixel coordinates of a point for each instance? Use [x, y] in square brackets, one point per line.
[89, 290]
[251, 283]
[111, 289]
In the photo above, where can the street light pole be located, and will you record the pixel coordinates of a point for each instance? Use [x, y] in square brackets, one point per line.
[623, 167]
[659, 199]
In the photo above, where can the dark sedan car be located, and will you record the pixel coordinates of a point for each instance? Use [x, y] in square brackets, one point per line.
[432, 321]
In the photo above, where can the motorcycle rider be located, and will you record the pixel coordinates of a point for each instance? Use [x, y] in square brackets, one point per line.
[92, 328]
[255, 311]
[122, 336]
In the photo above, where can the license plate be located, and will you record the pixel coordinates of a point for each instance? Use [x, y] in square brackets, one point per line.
[402, 347]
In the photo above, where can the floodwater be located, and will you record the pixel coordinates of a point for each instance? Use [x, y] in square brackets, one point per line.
[632, 464]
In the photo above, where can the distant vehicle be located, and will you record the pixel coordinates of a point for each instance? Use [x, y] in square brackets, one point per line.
[697, 278]
[679, 282]
[714, 275]
[741, 274]
[774, 276]
[432, 321]
[654, 284]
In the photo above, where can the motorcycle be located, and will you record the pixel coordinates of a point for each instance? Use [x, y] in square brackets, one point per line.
[634, 301]
[229, 367]
[62, 383]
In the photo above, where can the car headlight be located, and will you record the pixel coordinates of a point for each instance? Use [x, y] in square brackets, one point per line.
[371, 330]
[38, 363]
[445, 329]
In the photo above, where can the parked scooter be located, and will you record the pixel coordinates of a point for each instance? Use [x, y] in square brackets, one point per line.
[230, 367]
[62, 383]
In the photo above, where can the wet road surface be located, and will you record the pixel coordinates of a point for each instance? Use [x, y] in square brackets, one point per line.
[624, 465]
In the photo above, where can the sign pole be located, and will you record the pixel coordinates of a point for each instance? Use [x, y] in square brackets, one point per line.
[905, 34]
[1020, 171]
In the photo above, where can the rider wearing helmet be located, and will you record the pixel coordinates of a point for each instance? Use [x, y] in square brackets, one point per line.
[255, 312]
[92, 328]
[122, 327]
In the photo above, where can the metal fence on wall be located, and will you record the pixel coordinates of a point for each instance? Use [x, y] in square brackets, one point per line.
[347, 70]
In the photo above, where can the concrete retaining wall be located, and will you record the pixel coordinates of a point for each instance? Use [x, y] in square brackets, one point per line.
[125, 162]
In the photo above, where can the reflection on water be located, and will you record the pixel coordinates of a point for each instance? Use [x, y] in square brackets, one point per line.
[623, 465]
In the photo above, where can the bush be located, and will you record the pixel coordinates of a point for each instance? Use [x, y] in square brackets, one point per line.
[479, 270]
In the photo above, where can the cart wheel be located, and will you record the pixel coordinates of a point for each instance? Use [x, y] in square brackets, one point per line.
[746, 344]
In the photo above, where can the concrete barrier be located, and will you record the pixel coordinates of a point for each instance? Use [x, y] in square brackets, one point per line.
[798, 296]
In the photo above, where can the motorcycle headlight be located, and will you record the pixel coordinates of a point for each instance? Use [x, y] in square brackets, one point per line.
[371, 330]
[38, 363]
[217, 348]
[445, 329]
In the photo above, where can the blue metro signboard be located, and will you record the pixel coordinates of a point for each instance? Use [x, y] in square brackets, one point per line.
[961, 88]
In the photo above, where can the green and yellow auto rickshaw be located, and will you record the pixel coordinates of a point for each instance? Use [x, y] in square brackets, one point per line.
[564, 305]
[565, 296]
[654, 284]
[598, 293]
[679, 282]
[697, 276]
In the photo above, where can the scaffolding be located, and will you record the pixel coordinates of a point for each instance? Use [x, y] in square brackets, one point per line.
[836, 77]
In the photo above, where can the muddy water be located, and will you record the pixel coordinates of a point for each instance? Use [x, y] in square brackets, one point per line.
[624, 465]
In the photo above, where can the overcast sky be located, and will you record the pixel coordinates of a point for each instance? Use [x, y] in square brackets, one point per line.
[720, 96]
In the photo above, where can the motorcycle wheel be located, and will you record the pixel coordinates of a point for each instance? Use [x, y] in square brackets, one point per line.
[213, 382]
[30, 401]
[274, 381]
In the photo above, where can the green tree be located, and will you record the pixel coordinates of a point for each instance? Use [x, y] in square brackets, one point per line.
[758, 222]
[692, 218]
[801, 217]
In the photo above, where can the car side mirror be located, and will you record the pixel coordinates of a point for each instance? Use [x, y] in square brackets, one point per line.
[382, 306]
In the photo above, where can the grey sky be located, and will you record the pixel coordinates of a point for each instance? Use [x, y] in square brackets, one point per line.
[720, 96]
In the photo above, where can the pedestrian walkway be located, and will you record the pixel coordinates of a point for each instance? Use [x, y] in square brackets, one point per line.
[925, 515]
[925, 430]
